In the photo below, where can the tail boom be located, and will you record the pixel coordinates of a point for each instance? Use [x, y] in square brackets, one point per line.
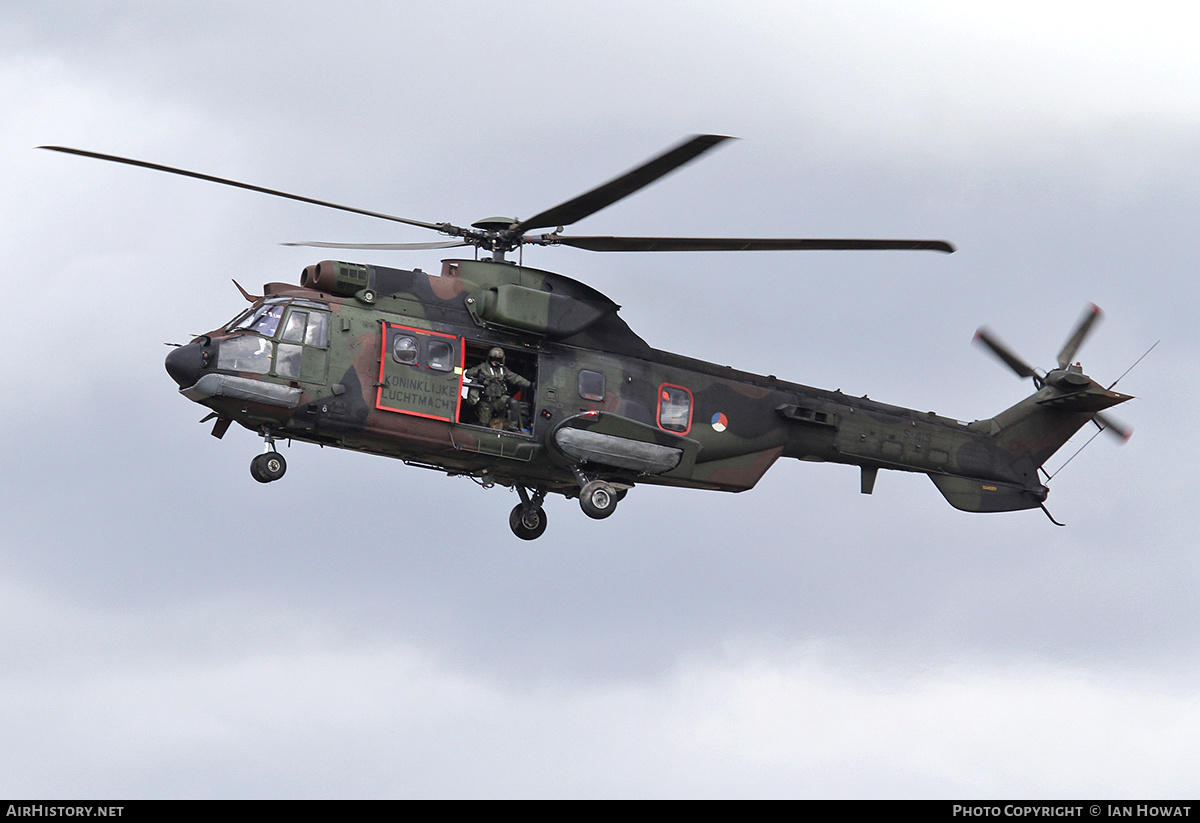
[986, 466]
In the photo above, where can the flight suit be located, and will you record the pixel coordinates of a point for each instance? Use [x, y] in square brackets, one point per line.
[492, 399]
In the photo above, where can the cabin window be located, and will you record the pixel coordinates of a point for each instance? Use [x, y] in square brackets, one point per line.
[404, 349]
[674, 408]
[441, 355]
[591, 385]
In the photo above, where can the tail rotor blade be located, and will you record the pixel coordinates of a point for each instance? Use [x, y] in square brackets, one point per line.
[1005, 353]
[1091, 315]
[1106, 423]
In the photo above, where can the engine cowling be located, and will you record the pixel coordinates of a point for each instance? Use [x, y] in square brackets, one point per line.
[336, 277]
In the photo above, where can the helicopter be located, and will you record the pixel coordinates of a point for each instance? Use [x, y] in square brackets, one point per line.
[392, 362]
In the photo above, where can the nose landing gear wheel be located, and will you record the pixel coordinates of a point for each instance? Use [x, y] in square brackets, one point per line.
[267, 468]
[527, 522]
[598, 499]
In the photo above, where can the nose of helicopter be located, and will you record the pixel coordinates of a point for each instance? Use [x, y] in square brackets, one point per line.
[185, 363]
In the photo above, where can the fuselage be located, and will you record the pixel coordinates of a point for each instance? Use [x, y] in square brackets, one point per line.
[374, 361]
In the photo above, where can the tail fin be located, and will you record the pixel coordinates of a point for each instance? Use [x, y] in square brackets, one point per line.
[1039, 425]
[1023, 438]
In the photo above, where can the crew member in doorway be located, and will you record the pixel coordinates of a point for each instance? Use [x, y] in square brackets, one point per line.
[490, 394]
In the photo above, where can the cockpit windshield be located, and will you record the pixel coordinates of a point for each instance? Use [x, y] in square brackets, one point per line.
[300, 352]
[263, 320]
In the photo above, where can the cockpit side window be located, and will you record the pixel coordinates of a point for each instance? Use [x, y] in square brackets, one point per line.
[305, 362]
[317, 333]
[308, 327]
[288, 358]
[293, 329]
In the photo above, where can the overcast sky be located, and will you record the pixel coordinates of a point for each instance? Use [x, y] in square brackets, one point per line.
[171, 628]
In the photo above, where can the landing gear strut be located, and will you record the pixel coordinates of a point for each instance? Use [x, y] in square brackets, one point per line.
[270, 465]
[528, 518]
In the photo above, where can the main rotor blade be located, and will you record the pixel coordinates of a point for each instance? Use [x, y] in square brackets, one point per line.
[1108, 424]
[433, 244]
[1004, 353]
[564, 214]
[223, 181]
[1091, 314]
[740, 244]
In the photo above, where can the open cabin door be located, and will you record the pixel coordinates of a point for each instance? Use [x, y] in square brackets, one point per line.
[512, 439]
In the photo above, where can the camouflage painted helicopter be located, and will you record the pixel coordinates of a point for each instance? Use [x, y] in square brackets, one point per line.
[381, 360]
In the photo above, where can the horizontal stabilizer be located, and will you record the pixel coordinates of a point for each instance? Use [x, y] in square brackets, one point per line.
[1092, 399]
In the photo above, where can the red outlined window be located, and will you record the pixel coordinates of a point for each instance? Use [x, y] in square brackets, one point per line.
[674, 408]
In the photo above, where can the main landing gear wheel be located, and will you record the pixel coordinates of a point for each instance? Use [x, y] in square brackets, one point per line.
[267, 468]
[527, 522]
[598, 499]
